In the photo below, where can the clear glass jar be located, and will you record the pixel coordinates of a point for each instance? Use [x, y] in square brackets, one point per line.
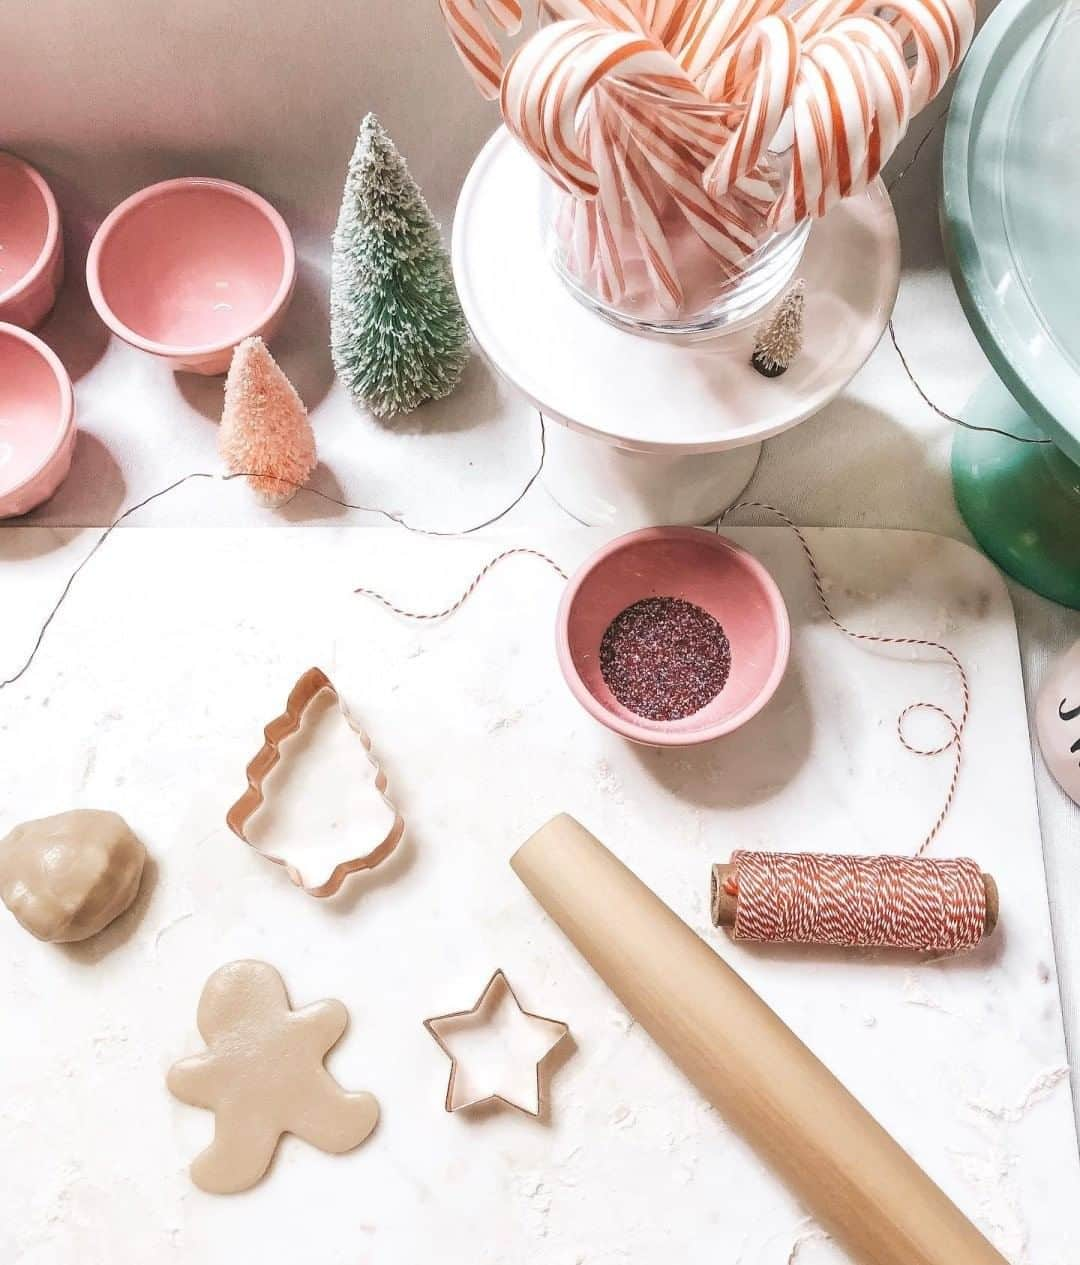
[653, 252]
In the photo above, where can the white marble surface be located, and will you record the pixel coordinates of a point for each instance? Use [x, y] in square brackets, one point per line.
[133, 94]
[148, 697]
[876, 456]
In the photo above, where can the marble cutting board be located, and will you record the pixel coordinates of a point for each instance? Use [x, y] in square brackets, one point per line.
[148, 697]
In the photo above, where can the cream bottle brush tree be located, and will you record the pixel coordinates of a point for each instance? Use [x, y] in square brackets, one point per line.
[779, 338]
[398, 334]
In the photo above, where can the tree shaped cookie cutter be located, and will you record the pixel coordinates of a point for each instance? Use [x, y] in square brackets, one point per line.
[306, 690]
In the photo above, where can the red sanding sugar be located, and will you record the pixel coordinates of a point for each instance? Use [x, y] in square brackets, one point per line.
[664, 658]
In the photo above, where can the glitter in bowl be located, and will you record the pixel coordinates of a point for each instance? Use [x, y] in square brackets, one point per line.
[664, 658]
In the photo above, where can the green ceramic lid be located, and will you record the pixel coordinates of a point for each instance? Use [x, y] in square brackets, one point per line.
[1011, 205]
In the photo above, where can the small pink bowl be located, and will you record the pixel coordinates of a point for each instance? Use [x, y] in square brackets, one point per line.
[188, 268]
[37, 421]
[31, 244]
[700, 567]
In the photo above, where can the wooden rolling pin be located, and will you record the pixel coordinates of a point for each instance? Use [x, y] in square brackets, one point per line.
[863, 1188]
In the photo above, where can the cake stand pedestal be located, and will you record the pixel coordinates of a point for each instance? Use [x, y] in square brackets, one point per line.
[1020, 501]
[1010, 185]
[598, 482]
[650, 430]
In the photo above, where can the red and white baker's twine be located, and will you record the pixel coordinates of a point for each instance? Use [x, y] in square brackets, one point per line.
[956, 727]
[832, 84]
[868, 902]
[446, 612]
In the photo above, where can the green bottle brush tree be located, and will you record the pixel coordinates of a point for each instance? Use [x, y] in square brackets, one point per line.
[398, 334]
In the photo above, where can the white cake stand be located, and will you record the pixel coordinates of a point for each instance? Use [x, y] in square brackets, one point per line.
[653, 431]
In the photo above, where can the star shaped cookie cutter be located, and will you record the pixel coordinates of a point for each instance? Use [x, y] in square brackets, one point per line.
[559, 1030]
[306, 690]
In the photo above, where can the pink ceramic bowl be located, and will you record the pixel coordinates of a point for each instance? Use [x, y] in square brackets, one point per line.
[188, 268]
[700, 567]
[37, 421]
[31, 244]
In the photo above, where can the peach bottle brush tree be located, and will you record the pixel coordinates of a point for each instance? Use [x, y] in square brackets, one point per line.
[265, 432]
[398, 334]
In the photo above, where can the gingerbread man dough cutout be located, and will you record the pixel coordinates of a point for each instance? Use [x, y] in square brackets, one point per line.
[262, 1075]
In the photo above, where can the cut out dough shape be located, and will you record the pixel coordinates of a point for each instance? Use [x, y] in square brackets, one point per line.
[262, 1075]
[317, 855]
[67, 877]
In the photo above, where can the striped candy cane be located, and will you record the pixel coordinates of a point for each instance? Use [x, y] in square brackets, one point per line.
[637, 188]
[614, 13]
[549, 78]
[720, 225]
[715, 27]
[771, 54]
[616, 100]
[472, 38]
[940, 33]
[889, 85]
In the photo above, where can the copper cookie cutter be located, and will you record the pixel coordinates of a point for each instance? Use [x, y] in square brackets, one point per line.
[313, 683]
[559, 1030]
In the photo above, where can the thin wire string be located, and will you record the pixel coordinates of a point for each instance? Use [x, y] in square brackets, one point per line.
[390, 515]
[891, 185]
[956, 727]
[942, 413]
[949, 417]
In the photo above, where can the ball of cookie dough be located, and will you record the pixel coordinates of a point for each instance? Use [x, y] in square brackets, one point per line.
[67, 877]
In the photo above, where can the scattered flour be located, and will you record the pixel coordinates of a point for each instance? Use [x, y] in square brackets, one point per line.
[916, 995]
[1041, 1087]
[533, 1189]
[622, 1020]
[505, 722]
[991, 1172]
[812, 1234]
[110, 1039]
[168, 926]
[608, 781]
[990, 1175]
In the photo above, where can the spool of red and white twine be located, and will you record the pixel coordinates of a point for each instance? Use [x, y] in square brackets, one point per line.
[854, 901]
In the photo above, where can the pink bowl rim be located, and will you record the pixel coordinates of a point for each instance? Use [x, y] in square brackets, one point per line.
[162, 189]
[52, 231]
[67, 396]
[659, 737]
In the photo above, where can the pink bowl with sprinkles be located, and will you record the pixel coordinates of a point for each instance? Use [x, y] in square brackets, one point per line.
[672, 636]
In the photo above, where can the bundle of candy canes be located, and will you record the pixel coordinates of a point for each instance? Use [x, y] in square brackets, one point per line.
[633, 107]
